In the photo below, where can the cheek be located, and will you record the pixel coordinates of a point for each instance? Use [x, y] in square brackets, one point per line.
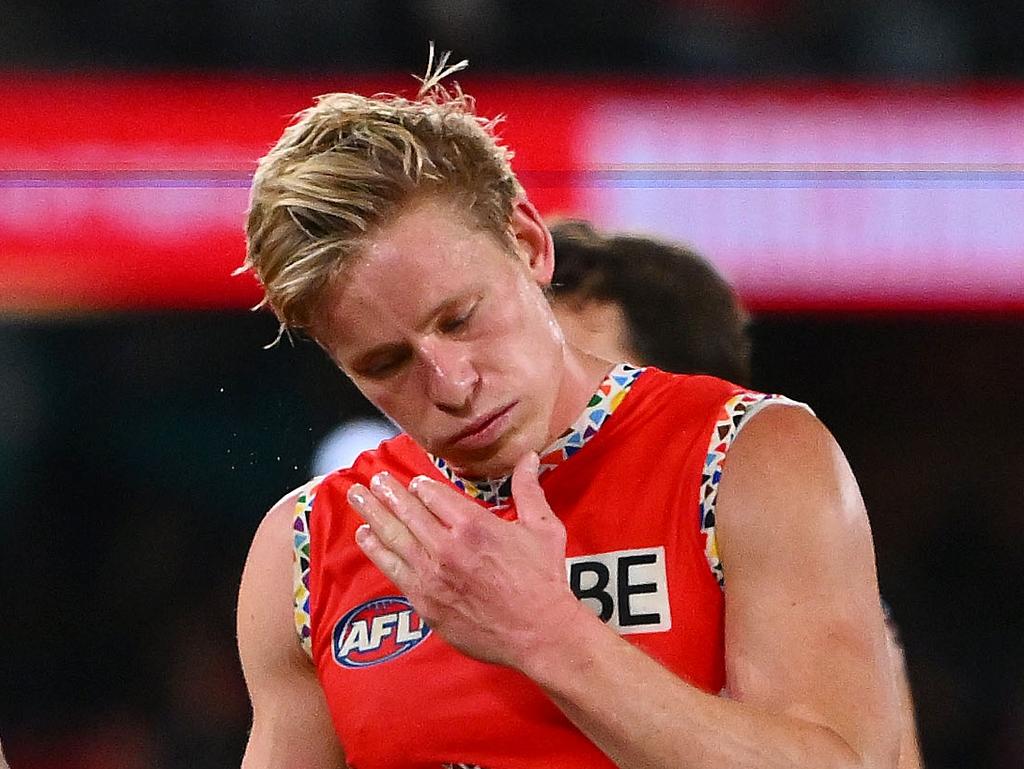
[396, 401]
[530, 323]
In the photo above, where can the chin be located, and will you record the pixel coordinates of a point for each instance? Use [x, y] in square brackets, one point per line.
[493, 462]
[491, 468]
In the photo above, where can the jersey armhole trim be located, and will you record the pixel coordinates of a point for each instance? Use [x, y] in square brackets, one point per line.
[300, 563]
[735, 413]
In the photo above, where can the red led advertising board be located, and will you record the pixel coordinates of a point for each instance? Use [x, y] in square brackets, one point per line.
[129, 192]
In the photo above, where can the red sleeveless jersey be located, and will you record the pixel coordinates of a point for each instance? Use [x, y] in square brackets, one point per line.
[633, 501]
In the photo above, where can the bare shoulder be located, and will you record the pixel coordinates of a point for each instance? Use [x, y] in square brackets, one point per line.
[785, 473]
[790, 514]
[804, 626]
[290, 717]
[274, 531]
[270, 554]
[267, 578]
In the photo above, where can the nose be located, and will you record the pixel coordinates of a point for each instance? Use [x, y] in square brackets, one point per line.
[450, 376]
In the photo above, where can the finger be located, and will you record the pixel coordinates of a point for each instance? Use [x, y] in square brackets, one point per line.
[390, 565]
[445, 503]
[531, 505]
[423, 525]
[388, 529]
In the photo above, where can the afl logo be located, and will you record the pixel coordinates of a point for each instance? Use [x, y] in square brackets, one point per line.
[377, 631]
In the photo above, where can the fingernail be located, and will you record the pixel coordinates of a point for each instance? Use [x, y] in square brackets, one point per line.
[534, 462]
[379, 478]
[356, 496]
[362, 532]
[415, 482]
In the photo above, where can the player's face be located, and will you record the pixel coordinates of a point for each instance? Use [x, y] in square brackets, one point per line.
[447, 331]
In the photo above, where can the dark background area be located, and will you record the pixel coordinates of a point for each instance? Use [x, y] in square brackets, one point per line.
[139, 451]
[929, 39]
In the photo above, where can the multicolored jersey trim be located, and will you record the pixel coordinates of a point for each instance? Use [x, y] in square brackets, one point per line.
[735, 413]
[604, 401]
[495, 492]
[300, 563]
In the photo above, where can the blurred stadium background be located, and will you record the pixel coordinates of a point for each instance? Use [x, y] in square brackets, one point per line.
[856, 168]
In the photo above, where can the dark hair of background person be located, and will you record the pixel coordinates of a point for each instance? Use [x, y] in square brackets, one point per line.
[681, 315]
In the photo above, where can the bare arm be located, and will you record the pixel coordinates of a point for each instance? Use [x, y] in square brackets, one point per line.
[291, 725]
[806, 655]
[805, 635]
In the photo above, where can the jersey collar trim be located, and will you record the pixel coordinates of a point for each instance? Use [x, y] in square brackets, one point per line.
[608, 396]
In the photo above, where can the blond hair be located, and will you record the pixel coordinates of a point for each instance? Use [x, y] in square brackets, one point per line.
[348, 164]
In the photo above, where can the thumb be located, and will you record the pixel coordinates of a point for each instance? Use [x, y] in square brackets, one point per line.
[531, 505]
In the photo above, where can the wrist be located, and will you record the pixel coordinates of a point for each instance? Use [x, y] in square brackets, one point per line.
[564, 647]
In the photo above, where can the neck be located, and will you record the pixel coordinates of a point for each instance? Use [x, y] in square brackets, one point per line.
[582, 373]
[603, 394]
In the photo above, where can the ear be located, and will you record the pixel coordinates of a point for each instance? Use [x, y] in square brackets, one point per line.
[533, 241]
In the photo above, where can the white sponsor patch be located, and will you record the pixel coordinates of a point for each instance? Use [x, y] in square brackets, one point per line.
[627, 589]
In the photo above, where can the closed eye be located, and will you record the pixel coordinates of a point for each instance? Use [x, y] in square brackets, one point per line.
[456, 323]
[379, 366]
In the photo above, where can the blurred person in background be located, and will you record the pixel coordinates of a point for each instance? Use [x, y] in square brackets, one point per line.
[625, 297]
[414, 610]
[655, 303]
[342, 446]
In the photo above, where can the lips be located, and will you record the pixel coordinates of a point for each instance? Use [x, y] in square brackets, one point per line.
[484, 430]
